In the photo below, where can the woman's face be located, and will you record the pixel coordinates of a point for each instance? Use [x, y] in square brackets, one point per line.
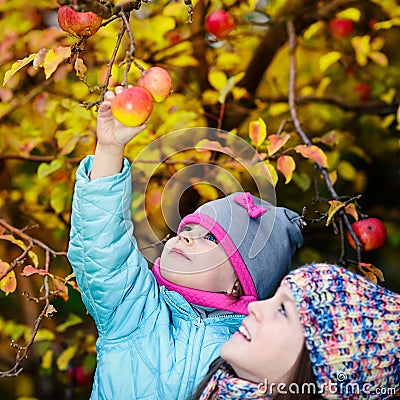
[269, 342]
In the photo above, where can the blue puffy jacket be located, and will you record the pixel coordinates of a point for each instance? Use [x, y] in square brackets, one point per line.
[151, 342]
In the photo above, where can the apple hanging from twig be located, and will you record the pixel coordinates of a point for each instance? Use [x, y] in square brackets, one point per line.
[371, 233]
[133, 106]
[158, 82]
[79, 24]
[220, 23]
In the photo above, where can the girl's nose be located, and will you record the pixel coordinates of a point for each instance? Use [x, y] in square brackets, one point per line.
[187, 239]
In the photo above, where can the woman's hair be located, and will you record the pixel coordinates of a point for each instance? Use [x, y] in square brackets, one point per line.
[214, 366]
[303, 376]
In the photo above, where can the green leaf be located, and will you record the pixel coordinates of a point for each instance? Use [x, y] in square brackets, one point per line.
[46, 169]
[72, 320]
[17, 65]
[58, 198]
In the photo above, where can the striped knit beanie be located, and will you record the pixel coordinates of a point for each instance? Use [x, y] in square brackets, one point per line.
[352, 331]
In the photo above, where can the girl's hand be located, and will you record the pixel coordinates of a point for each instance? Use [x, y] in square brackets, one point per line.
[110, 132]
[112, 137]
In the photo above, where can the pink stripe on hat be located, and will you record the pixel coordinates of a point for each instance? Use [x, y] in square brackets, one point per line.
[229, 247]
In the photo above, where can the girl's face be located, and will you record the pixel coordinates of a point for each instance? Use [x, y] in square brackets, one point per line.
[195, 260]
[269, 342]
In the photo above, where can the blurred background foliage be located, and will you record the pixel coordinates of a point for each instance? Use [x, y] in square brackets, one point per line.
[347, 98]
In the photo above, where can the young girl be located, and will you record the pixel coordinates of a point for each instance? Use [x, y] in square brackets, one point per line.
[326, 333]
[160, 329]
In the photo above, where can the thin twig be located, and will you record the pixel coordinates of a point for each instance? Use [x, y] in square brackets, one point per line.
[303, 135]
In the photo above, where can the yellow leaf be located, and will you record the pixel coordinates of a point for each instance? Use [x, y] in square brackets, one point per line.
[273, 176]
[54, 58]
[313, 29]
[346, 171]
[47, 359]
[46, 169]
[351, 13]
[44, 334]
[278, 109]
[326, 60]
[65, 357]
[206, 191]
[183, 60]
[333, 176]
[16, 66]
[227, 60]
[217, 79]
[9, 283]
[313, 152]
[229, 86]
[371, 272]
[379, 58]
[335, 206]
[286, 165]
[257, 131]
[352, 210]
[276, 143]
[361, 47]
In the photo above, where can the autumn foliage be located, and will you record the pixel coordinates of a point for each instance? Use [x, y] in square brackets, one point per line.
[311, 87]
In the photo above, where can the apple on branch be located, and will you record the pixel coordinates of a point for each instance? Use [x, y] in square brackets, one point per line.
[220, 23]
[78, 24]
[340, 27]
[371, 233]
[133, 106]
[158, 82]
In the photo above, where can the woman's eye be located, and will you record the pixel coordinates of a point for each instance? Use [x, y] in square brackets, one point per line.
[210, 237]
[282, 309]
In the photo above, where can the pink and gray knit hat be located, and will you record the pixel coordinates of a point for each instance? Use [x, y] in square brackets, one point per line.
[352, 331]
[258, 238]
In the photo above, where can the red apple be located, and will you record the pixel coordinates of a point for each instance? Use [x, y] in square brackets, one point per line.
[78, 23]
[133, 106]
[79, 376]
[220, 23]
[371, 233]
[158, 82]
[363, 90]
[340, 27]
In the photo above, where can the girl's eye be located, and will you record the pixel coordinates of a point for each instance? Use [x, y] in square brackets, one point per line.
[210, 237]
[282, 310]
[186, 228]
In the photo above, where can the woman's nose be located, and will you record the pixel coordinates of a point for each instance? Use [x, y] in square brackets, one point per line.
[187, 239]
[256, 308]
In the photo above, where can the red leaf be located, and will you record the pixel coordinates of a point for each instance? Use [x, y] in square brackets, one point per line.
[286, 165]
[29, 270]
[314, 153]
[276, 143]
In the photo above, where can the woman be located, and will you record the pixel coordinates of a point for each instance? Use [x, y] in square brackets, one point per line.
[326, 333]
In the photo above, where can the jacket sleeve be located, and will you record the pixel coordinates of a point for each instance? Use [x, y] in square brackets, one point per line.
[117, 287]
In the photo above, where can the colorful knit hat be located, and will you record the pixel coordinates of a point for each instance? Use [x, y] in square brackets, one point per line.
[352, 331]
[258, 238]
